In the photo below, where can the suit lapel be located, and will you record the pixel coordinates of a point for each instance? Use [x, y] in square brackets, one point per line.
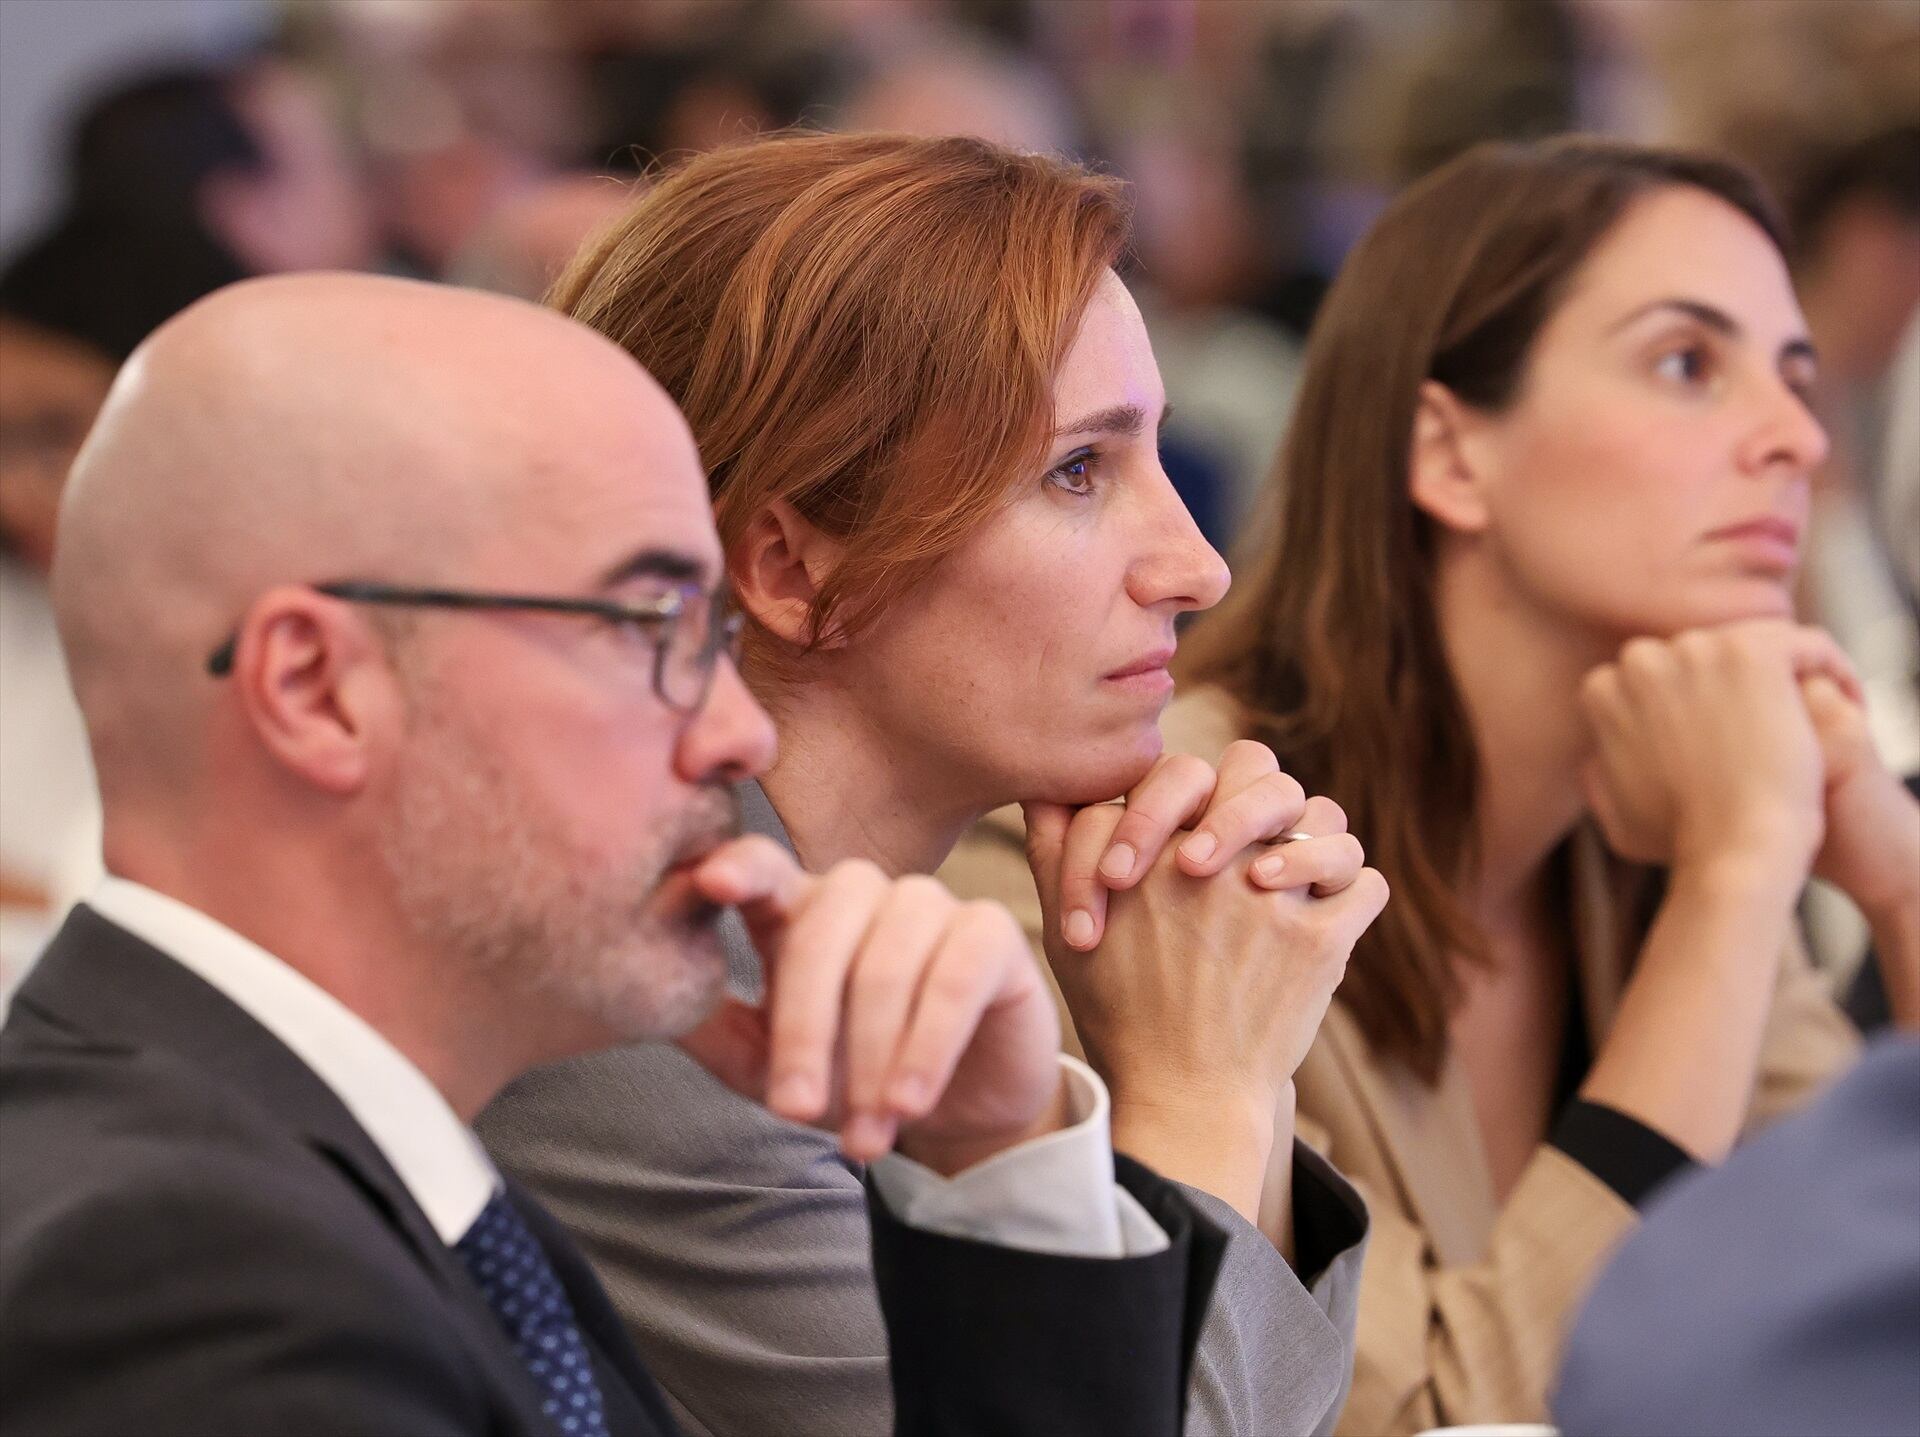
[96, 977]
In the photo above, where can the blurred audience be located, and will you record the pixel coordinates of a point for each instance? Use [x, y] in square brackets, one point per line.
[185, 179]
[523, 247]
[1856, 231]
[51, 385]
[177, 181]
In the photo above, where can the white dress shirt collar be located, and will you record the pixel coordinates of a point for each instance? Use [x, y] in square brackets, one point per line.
[435, 1154]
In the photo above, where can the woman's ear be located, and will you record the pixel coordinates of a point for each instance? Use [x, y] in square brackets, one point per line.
[778, 568]
[1444, 479]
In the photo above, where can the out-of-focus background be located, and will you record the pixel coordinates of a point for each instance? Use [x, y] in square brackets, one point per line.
[151, 150]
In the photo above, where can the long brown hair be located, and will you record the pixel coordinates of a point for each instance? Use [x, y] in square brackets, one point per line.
[1329, 638]
[864, 326]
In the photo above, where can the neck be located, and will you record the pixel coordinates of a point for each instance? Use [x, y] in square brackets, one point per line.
[843, 792]
[1518, 672]
[320, 914]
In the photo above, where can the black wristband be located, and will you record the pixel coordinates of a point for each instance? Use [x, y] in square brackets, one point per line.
[1624, 1153]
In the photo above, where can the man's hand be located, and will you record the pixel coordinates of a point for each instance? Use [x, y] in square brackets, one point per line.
[893, 1010]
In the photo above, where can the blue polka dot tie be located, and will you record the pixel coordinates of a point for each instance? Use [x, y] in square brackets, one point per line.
[507, 1262]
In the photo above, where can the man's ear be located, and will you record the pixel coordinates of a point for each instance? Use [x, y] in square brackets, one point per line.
[778, 568]
[316, 686]
[1444, 472]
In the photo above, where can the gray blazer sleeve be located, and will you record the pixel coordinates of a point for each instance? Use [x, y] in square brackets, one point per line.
[1276, 1354]
[736, 1247]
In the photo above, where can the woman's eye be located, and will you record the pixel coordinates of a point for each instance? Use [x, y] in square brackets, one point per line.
[1690, 366]
[1074, 473]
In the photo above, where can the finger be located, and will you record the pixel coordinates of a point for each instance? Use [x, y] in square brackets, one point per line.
[1047, 825]
[1083, 892]
[1357, 905]
[1842, 728]
[1321, 818]
[1264, 809]
[886, 973]
[969, 970]
[1325, 865]
[732, 1045]
[1169, 798]
[1816, 652]
[761, 879]
[806, 982]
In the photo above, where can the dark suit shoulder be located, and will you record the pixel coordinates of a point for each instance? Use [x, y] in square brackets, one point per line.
[165, 1249]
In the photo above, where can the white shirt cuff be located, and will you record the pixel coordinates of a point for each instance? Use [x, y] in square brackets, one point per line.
[1053, 1194]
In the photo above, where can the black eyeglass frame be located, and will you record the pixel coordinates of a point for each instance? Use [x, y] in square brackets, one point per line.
[723, 627]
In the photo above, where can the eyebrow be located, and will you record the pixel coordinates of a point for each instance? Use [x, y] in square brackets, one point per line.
[654, 564]
[1128, 419]
[1719, 321]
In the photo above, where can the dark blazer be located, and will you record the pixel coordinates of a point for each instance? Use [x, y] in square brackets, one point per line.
[1778, 1294]
[196, 1236]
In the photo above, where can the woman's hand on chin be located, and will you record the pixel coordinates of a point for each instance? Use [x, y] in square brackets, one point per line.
[1209, 817]
[1704, 753]
[1200, 992]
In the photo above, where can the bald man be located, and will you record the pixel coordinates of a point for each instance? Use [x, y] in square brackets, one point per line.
[394, 616]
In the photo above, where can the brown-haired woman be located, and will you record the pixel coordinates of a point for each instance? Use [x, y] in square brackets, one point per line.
[928, 407]
[1529, 601]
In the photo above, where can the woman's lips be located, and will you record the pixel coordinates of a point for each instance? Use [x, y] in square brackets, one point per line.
[1146, 676]
[1772, 542]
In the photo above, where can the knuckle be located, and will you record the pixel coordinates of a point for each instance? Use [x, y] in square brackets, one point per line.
[861, 873]
[921, 890]
[1329, 815]
[1250, 754]
[987, 919]
[1284, 788]
[1642, 655]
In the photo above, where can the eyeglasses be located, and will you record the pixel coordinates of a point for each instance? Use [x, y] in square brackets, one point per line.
[691, 627]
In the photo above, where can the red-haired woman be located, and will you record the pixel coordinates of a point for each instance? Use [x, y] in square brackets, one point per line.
[1530, 601]
[928, 407]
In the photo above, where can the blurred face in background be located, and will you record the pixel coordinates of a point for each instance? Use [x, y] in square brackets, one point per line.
[1032, 662]
[308, 208]
[1653, 472]
[50, 389]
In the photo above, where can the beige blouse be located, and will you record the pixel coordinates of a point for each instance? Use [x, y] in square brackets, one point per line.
[1463, 1303]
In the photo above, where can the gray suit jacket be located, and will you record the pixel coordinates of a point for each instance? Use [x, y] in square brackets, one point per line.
[735, 1246]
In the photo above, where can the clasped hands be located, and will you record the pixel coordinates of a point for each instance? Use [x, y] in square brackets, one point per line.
[1199, 964]
[1747, 744]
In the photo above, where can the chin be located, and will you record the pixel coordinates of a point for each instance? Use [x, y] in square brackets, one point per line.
[1736, 602]
[1099, 772]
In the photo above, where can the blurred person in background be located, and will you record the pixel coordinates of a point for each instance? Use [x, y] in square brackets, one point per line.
[51, 385]
[185, 179]
[951, 605]
[178, 181]
[1856, 231]
[1230, 372]
[1521, 604]
[522, 248]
